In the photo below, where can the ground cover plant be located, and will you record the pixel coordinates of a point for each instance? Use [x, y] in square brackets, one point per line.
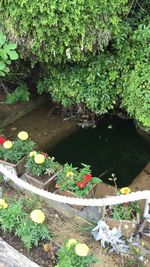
[73, 254]
[28, 225]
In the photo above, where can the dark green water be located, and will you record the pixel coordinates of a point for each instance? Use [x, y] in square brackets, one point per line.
[113, 146]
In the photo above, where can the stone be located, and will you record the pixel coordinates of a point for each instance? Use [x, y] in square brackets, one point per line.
[10, 257]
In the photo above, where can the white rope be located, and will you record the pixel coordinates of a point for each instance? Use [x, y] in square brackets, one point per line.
[77, 201]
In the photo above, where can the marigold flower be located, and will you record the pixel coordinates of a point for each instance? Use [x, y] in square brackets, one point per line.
[37, 216]
[69, 174]
[23, 135]
[39, 158]
[7, 144]
[2, 140]
[71, 242]
[125, 190]
[3, 204]
[32, 154]
[82, 249]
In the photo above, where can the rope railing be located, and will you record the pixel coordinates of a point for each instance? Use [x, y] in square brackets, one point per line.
[111, 200]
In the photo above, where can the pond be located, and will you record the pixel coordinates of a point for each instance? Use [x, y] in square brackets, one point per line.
[114, 146]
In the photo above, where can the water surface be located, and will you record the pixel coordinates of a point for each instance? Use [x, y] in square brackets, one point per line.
[114, 146]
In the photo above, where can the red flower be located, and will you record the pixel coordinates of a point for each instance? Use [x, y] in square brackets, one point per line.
[44, 154]
[2, 140]
[87, 178]
[81, 184]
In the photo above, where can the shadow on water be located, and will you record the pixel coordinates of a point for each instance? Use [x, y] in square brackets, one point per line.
[113, 146]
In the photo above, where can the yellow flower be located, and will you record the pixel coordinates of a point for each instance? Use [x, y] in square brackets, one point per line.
[39, 158]
[23, 135]
[137, 250]
[82, 249]
[69, 174]
[142, 244]
[125, 190]
[37, 216]
[3, 204]
[32, 154]
[71, 242]
[7, 144]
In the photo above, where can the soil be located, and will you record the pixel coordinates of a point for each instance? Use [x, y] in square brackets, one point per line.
[41, 178]
[37, 254]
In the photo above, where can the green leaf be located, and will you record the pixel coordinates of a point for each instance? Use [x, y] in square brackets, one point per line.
[3, 54]
[96, 180]
[2, 65]
[13, 55]
[7, 69]
[2, 39]
[10, 46]
[2, 74]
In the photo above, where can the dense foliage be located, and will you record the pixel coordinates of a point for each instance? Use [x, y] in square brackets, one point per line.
[93, 54]
[91, 84]
[61, 30]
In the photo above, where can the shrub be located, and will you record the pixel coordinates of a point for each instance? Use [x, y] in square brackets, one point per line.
[61, 31]
[93, 84]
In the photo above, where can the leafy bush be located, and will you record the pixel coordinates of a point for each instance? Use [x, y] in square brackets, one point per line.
[100, 50]
[7, 54]
[61, 31]
[118, 78]
[92, 85]
[134, 56]
[21, 93]
[136, 95]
